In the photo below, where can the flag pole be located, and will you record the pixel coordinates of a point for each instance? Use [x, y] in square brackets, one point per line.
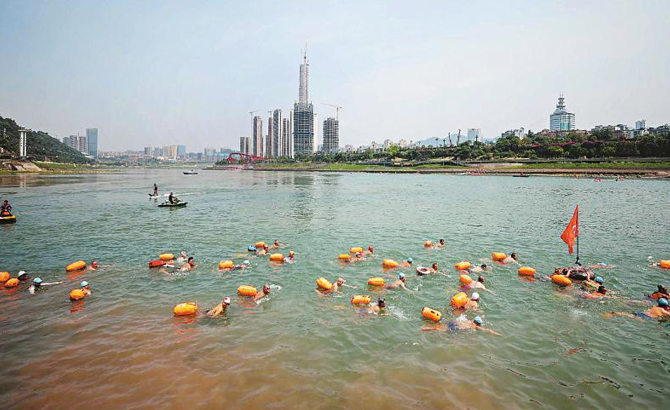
[577, 261]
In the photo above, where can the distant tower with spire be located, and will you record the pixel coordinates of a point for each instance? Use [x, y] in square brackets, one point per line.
[561, 119]
[303, 113]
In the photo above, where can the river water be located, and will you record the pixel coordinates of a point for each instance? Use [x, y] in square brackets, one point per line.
[123, 348]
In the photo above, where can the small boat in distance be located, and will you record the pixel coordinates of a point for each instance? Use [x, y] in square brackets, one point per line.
[175, 205]
[521, 175]
[191, 172]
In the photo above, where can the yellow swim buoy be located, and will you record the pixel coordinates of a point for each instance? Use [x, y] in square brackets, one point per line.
[498, 256]
[356, 249]
[361, 299]
[561, 280]
[246, 290]
[324, 284]
[259, 244]
[526, 271]
[463, 265]
[432, 314]
[185, 309]
[166, 257]
[79, 265]
[344, 257]
[376, 281]
[12, 283]
[76, 294]
[459, 299]
[277, 257]
[226, 264]
[465, 279]
[665, 264]
[4, 277]
[390, 263]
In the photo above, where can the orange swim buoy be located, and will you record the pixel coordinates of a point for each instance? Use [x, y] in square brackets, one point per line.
[356, 249]
[4, 277]
[498, 256]
[75, 266]
[463, 265]
[156, 263]
[185, 309]
[344, 257]
[166, 257]
[324, 284]
[277, 257]
[432, 314]
[561, 280]
[665, 264]
[376, 281]
[259, 244]
[465, 279]
[390, 263]
[459, 299]
[76, 294]
[226, 264]
[428, 244]
[246, 290]
[12, 283]
[361, 299]
[526, 271]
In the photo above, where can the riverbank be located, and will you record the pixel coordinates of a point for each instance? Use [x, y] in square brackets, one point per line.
[41, 168]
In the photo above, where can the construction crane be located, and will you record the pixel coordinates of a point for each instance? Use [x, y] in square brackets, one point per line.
[337, 110]
[458, 138]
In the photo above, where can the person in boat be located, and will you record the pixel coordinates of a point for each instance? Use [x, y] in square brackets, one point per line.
[455, 325]
[400, 283]
[662, 292]
[378, 307]
[189, 265]
[85, 288]
[513, 258]
[172, 199]
[155, 189]
[263, 293]
[370, 250]
[39, 284]
[479, 269]
[662, 310]
[6, 209]
[219, 309]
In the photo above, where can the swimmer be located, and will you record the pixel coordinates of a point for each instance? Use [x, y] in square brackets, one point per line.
[370, 250]
[601, 292]
[93, 266]
[189, 265]
[479, 269]
[656, 312]
[400, 283]
[263, 293]
[580, 274]
[358, 257]
[513, 258]
[662, 292]
[290, 258]
[455, 325]
[39, 284]
[182, 258]
[593, 284]
[277, 245]
[440, 244]
[241, 266]
[85, 288]
[473, 303]
[378, 307]
[22, 276]
[406, 263]
[478, 284]
[219, 309]
[262, 251]
[433, 268]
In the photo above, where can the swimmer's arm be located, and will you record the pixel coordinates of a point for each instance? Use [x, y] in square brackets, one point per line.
[440, 328]
[52, 283]
[349, 286]
[493, 332]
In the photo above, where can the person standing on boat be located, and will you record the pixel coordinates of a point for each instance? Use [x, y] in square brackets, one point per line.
[155, 189]
[171, 198]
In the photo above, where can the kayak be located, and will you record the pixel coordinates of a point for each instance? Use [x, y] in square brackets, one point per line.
[8, 219]
[177, 205]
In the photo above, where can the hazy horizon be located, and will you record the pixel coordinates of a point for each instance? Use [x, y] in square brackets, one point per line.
[159, 73]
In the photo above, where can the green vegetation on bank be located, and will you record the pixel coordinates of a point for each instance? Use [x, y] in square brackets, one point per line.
[40, 145]
[598, 165]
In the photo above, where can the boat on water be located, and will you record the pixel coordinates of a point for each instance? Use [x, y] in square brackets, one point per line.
[174, 205]
[8, 219]
[521, 175]
[191, 172]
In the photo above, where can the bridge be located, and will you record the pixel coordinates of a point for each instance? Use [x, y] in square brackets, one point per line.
[239, 157]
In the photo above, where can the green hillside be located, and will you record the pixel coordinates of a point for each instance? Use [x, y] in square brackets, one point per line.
[41, 146]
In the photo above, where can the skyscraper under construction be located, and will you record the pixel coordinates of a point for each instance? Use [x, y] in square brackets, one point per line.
[303, 114]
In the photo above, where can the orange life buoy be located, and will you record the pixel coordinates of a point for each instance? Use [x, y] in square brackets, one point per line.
[226, 264]
[459, 299]
[166, 257]
[463, 265]
[498, 256]
[356, 249]
[390, 263]
[465, 279]
[561, 280]
[185, 309]
[324, 284]
[76, 294]
[428, 244]
[665, 264]
[526, 271]
[432, 314]
[361, 299]
[259, 244]
[277, 257]
[344, 257]
[156, 263]
[4, 277]
[246, 290]
[79, 265]
[376, 281]
[12, 283]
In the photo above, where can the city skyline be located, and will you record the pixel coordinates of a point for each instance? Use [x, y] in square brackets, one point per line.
[399, 72]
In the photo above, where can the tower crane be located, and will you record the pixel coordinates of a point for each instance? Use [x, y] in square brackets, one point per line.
[337, 110]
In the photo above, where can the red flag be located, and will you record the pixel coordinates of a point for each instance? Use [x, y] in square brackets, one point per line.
[572, 230]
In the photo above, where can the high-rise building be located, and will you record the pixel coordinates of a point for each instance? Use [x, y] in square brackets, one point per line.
[270, 139]
[73, 142]
[147, 151]
[92, 145]
[287, 136]
[474, 134]
[158, 152]
[244, 145]
[331, 135]
[303, 114]
[561, 119]
[640, 125]
[181, 151]
[82, 144]
[257, 148]
[170, 151]
[277, 136]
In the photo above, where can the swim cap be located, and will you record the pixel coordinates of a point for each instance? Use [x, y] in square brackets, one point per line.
[251, 248]
[83, 284]
[38, 281]
[663, 302]
[246, 262]
[478, 320]
[602, 264]
[410, 260]
[475, 296]
[21, 273]
[599, 280]
[226, 300]
[401, 275]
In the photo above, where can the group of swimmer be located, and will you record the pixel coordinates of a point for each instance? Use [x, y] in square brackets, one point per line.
[22, 281]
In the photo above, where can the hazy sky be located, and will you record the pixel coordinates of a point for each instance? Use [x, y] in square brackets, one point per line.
[158, 73]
